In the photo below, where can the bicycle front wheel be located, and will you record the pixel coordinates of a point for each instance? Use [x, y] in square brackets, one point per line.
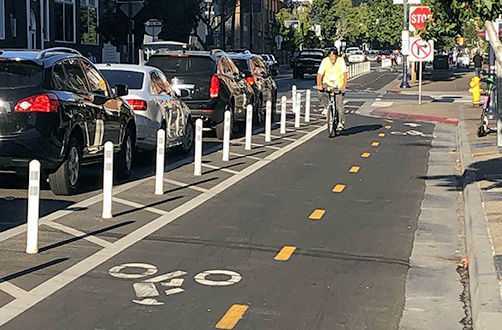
[331, 121]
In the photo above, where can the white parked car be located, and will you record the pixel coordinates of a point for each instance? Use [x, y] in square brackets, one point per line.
[155, 105]
[356, 57]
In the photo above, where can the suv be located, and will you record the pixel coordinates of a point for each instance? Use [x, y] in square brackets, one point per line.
[56, 107]
[308, 61]
[209, 83]
[257, 75]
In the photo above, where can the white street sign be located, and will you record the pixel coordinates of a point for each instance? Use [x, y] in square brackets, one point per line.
[421, 50]
[278, 41]
[153, 27]
[410, 2]
[405, 47]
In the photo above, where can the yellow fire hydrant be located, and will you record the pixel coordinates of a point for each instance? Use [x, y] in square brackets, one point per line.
[475, 90]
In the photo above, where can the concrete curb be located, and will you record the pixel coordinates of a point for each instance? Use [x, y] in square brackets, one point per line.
[486, 303]
[437, 119]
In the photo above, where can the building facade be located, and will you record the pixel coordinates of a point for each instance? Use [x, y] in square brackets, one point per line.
[41, 24]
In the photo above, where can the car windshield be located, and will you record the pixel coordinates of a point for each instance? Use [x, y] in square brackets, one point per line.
[183, 64]
[241, 64]
[18, 74]
[312, 54]
[133, 80]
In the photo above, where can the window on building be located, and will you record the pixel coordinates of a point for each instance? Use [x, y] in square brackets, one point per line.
[89, 22]
[2, 19]
[47, 36]
[64, 13]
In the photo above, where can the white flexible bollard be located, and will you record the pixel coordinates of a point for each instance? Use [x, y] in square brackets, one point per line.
[249, 126]
[226, 137]
[293, 97]
[198, 148]
[307, 107]
[283, 114]
[108, 181]
[161, 154]
[298, 109]
[268, 121]
[33, 207]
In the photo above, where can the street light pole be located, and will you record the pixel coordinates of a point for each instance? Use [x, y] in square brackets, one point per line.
[404, 82]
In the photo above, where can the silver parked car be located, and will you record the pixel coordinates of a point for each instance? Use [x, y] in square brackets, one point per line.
[155, 104]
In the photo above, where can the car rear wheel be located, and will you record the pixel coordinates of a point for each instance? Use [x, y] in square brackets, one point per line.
[188, 139]
[123, 161]
[66, 179]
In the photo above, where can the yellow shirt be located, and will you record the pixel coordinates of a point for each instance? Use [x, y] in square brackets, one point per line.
[333, 74]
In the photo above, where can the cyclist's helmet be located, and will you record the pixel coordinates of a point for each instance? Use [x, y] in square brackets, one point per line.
[333, 51]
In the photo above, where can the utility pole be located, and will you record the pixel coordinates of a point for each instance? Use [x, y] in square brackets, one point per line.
[223, 25]
[251, 9]
[404, 82]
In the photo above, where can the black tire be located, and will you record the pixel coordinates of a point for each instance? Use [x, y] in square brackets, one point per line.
[219, 128]
[66, 179]
[188, 139]
[295, 74]
[331, 118]
[123, 159]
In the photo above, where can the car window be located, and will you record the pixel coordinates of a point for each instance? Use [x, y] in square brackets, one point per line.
[75, 77]
[96, 81]
[233, 67]
[166, 83]
[14, 74]
[185, 65]
[223, 66]
[242, 64]
[58, 76]
[157, 85]
[258, 66]
[133, 80]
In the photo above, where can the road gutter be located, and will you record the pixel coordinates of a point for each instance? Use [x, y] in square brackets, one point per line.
[484, 287]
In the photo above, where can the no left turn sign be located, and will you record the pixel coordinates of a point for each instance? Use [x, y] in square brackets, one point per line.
[421, 50]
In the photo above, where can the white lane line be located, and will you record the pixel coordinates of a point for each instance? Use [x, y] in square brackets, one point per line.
[265, 146]
[93, 200]
[77, 233]
[220, 168]
[67, 276]
[140, 206]
[297, 130]
[12, 290]
[242, 155]
[186, 185]
[279, 137]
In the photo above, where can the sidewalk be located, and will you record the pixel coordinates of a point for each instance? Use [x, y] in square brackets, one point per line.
[481, 165]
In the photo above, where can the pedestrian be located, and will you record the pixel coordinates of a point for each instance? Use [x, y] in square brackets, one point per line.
[91, 58]
[478, 63]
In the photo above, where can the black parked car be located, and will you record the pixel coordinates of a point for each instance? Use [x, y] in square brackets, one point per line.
[209, 83]
[57, 108]
[308, 61]
[259, 77]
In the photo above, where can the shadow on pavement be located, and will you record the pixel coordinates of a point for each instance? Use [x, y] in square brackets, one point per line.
[78, 238]
[360, 129]
[32, 269]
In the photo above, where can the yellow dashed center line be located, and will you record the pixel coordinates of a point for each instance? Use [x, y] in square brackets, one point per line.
[232, 316]
[354, 169]
[285, 253]
[365, 154]
[381, 134]
[317, 214]
[375, 144]
[388, 127]
[338, 188]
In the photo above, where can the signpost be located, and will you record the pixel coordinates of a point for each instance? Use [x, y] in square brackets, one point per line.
[278, 41]
[421, 51]
[130, 9]
[153, 27]
[418, 16]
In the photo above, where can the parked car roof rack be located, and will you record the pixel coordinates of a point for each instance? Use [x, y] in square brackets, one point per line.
[47, 51]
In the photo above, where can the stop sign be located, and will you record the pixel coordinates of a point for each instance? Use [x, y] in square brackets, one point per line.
[418, 16]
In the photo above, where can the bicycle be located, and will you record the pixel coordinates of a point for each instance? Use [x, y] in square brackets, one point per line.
[484, 127]
[332, 117]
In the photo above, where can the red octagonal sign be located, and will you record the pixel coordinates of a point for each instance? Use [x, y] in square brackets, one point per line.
[418, 16]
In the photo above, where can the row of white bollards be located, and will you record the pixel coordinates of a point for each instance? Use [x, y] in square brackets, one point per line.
[34, 168]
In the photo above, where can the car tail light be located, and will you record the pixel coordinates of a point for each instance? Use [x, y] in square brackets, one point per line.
[140, 105]
[38, 103]
[214, 90]
[250, 80]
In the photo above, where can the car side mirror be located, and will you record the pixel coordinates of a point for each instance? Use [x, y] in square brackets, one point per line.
[121, 90]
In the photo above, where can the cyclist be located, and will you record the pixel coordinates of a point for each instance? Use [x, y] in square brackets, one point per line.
[332, 73]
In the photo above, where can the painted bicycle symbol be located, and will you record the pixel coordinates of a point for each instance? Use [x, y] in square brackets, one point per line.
[146, 290]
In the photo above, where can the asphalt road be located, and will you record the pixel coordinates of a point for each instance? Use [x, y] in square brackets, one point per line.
[248, 221]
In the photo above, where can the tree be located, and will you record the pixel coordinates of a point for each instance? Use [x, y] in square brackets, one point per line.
[215, 14]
